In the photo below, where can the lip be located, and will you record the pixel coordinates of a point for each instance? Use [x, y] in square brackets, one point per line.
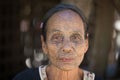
[66, 59]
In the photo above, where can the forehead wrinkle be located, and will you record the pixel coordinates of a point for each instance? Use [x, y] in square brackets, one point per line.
[69, 32]
[67, 15]
[61, 19]
[55, 30]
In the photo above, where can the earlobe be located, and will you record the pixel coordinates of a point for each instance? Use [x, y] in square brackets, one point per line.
[44, 46]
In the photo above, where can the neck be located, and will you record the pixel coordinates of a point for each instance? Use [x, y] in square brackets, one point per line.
[54, 73]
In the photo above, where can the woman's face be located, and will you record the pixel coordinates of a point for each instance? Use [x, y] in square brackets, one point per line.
[65, 43]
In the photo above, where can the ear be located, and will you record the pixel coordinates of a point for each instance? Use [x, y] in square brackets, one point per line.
[86, 45]
[44, 46]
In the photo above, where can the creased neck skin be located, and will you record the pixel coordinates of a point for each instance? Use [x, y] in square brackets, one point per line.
[54, 73]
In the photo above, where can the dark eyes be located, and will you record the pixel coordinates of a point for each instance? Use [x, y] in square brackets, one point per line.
[57, 38]
[76, 38]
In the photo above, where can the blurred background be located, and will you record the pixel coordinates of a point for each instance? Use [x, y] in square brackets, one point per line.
[20, 45]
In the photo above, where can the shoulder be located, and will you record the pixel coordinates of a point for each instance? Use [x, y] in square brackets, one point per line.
[28, 74]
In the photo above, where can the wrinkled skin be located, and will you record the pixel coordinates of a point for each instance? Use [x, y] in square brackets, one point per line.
[65, 43]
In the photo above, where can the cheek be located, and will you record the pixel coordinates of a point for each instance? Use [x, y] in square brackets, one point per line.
[52, 50]
[80, 59]
[80, 50]
[80, 56]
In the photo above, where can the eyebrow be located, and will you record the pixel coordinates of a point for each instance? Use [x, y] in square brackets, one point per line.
[78, 32]
[55, 30]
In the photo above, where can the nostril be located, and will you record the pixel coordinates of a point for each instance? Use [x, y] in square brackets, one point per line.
[67, 47]
[67, 50]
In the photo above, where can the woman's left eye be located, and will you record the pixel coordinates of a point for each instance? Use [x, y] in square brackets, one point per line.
[76, 38]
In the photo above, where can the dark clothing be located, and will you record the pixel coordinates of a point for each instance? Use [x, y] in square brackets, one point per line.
[40, 74]
[29, 74]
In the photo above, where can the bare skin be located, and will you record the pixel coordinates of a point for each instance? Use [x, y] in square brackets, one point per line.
[55, 73]
[65, 46]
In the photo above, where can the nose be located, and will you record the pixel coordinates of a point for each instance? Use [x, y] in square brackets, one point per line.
[67, 47]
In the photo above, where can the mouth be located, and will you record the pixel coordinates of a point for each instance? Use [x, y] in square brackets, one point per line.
[66, 60]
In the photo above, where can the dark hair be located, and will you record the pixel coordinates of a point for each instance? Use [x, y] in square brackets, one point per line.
[61, 7]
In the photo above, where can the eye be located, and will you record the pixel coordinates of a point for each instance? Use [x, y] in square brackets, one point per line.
[76, 38]
[57, 38]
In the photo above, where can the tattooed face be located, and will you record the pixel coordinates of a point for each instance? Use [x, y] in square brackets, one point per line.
[65, 43]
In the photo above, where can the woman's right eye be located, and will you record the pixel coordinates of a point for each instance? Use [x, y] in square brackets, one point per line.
[57, 38]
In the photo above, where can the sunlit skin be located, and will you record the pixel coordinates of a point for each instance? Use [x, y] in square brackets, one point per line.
[65, 46]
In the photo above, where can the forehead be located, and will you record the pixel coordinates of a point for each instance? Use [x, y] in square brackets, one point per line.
[65, 19]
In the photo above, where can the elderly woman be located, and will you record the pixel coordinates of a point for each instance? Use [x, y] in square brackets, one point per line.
[65, 42]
